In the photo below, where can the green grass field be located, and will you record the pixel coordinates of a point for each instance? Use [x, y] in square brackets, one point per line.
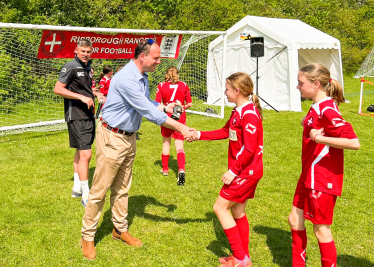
[40, 223]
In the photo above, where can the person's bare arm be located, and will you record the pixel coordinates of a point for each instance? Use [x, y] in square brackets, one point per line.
[337, 142]
[60, 89]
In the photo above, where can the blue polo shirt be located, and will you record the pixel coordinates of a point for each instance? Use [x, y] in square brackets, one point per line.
[128, 100]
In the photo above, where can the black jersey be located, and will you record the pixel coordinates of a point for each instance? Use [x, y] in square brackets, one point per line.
[78, 78]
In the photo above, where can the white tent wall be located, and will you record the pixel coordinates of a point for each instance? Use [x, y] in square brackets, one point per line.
[238, 58]
[327, 57]
[288, 45]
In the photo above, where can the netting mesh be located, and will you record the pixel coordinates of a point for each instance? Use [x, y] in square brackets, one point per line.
[27, 100]
[367, 68]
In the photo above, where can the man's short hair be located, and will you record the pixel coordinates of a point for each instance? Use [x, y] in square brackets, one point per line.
[143, 47]
[84, 42]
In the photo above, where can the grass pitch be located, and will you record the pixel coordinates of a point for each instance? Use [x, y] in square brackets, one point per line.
[40, 223]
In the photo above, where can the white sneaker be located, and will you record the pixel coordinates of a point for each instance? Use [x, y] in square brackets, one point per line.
[164, 173]
[75, 193]
[84, 201]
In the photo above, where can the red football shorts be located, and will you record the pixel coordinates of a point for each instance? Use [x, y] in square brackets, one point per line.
[166, 132]
[239, 190]
[318, 206]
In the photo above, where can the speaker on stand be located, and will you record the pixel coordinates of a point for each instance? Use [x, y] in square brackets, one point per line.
[257, 50]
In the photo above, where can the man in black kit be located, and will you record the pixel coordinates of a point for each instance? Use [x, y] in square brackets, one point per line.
[75, 85]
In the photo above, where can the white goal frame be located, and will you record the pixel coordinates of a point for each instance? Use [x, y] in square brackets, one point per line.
[36, 125]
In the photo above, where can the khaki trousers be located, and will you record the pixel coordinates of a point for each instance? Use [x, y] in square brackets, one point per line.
[115, 154]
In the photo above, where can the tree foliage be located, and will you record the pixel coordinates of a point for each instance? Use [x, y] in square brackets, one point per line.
[350, 20]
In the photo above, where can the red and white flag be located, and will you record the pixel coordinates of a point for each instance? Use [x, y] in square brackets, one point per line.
[61, 44]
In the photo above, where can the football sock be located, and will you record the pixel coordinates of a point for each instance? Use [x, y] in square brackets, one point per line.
[243, 227]
[77, 184]
[165, 162]
[235, 242]
[299, 242]
[328, 254]
[85, 189]
[181, 158]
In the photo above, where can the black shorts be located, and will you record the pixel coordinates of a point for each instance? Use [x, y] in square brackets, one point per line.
[81, 133]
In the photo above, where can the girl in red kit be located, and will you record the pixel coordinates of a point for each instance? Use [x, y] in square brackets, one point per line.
[325, 136]
[245, 169]
[105, 78]
[167, 92]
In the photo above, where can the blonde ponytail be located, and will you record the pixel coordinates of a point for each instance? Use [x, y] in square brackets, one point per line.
[172, 75]
[256, 101]
[335, 91]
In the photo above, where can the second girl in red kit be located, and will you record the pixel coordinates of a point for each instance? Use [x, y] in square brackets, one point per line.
[325, 136]
[245, 168]
[167, 92]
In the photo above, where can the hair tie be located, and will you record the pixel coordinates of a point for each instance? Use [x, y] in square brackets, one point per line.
[250, 97]
[330, 80]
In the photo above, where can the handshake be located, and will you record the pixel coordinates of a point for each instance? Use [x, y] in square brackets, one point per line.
[191, 134]
[176, 108]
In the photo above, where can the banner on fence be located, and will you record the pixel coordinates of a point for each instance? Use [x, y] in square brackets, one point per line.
[61, 44]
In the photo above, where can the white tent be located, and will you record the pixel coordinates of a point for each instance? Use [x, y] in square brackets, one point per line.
[288, 45]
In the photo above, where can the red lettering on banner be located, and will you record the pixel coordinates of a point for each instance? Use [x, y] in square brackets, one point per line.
[61, 44]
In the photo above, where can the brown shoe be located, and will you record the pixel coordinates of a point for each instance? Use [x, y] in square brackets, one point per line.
[126, 237]
[88, 249]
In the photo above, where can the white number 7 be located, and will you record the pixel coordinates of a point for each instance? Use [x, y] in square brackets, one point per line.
[175, 87]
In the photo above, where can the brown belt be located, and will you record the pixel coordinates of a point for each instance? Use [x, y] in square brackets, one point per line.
[113, 129]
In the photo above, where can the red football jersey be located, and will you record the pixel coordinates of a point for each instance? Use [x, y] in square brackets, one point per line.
[104, 85]
[168, 93]
[244, 129]
[322, 165]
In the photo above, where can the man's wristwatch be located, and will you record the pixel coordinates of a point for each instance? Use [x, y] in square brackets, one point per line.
[165, 108]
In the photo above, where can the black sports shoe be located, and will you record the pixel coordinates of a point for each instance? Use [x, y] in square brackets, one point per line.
[181, 178]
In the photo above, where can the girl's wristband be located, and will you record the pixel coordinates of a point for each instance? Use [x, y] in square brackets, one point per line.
[315, 137]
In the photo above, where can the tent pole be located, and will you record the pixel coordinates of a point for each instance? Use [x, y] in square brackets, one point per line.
[223, 78]
[361, 92]
[257, 75]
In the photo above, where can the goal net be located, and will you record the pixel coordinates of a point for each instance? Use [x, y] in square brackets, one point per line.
[365, 70]
[27, 99]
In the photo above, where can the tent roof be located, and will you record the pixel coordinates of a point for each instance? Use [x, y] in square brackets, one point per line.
[292, 33]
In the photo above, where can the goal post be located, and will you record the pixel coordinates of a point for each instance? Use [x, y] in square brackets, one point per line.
[27, 99]
[365, 70]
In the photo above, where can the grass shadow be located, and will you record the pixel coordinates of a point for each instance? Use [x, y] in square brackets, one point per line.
[173, 164]
[137, 207]
[348, 261]
[279, 242]
[219, 246]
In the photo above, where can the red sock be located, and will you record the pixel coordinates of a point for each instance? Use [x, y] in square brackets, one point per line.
[328, 254]
[299, 242]
[181, 158]
[243, 227]
[165, 162]
[235, 242]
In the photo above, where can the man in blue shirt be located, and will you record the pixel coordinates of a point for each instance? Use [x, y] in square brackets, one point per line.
[127, 103]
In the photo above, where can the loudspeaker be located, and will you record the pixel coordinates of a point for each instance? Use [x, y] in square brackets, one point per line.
[257, 46]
